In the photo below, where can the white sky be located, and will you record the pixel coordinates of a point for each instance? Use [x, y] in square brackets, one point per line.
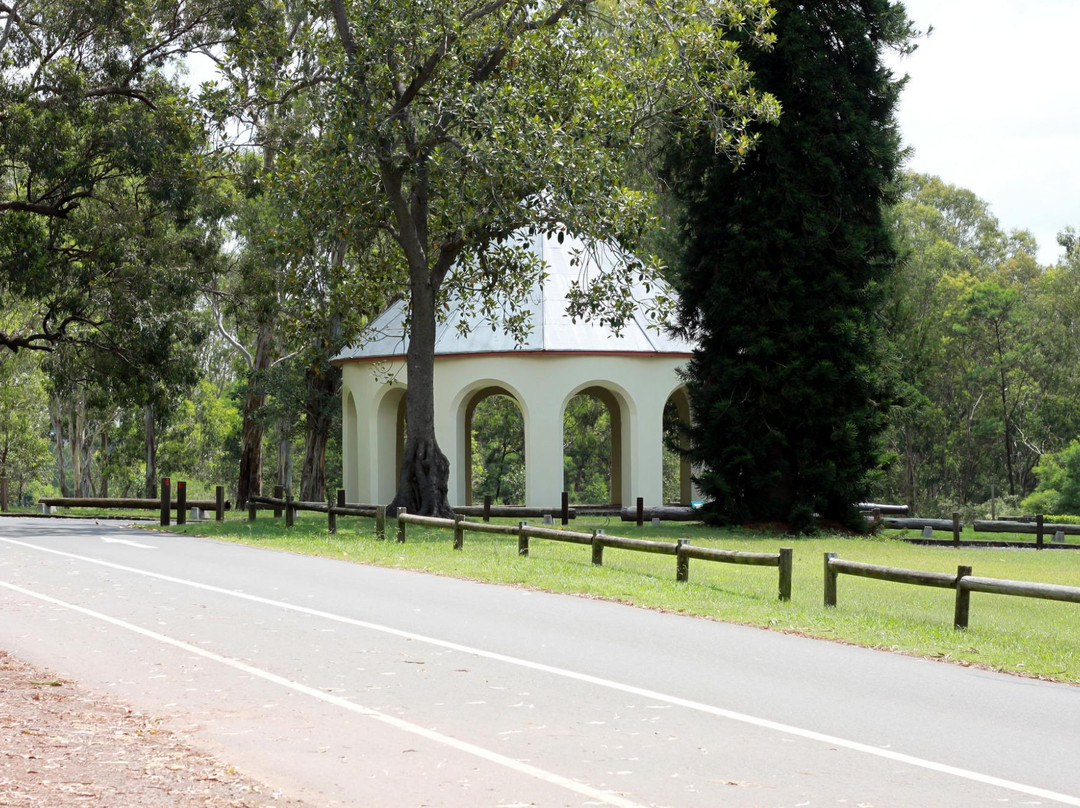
[993, 105]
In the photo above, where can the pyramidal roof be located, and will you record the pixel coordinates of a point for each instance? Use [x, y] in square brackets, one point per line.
[552, 328]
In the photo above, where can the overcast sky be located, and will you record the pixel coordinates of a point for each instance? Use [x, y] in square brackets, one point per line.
[993, 105]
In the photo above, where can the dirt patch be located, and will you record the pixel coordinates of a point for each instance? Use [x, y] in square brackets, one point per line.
[61, 746]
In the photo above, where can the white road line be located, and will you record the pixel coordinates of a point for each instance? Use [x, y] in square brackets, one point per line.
[129, 543]
[462, 746]
[764, 723]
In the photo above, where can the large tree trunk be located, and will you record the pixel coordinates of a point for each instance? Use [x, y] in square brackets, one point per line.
[251, 431]
[104, 492]
[284, 456]
[425, 471]
[151, 452]
[322, 391]
[75, 433]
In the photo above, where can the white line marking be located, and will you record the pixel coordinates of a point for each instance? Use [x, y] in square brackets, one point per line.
[128, 543]
[462, 746]
[709, 709]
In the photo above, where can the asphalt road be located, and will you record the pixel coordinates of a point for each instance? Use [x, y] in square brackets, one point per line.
[351, 685]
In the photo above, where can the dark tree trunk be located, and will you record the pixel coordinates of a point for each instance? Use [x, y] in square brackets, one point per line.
[58, 431]
[322, 391]
[251, 430]
[425, 471]
[104, 492]
[151, 452]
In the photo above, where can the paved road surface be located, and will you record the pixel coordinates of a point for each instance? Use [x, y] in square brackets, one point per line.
[357, 686]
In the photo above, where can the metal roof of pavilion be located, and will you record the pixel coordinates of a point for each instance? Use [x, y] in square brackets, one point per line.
[552, 329]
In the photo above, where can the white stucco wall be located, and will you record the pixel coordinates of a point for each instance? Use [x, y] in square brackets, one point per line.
[543, 384]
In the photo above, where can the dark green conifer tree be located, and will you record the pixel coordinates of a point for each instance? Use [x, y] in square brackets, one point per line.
[782, 274]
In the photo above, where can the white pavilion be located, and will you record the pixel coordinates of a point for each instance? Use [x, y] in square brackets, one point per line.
[633, 373]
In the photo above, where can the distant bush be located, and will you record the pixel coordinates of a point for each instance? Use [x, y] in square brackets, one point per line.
[1058, 490]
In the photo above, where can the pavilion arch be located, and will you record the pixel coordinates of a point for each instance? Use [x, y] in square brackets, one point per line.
[681, 401]
[465, 407]
[621, 411]
[388, 441]
[349, 426]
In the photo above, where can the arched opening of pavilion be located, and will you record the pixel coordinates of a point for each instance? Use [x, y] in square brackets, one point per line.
[494, 447]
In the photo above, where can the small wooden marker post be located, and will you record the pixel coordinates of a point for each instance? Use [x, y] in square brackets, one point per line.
[290, 512]
[786, 565]
[1039, 531]
[640, 511]
[341, 497]
[830, 581]
[331, 516]
[523, 540]
[380, 522]
[4, 493]
[682, 562]
[459, 531]
[487, 507]
[279, 493]
[963, 599]
[956, 529]
[597, 548]
[166, 503]
[401, 512]
[181, 502]
[253, 509]
[219, 503]
[565, 508]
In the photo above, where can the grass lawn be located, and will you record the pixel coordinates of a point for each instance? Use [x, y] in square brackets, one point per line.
[1033, 637]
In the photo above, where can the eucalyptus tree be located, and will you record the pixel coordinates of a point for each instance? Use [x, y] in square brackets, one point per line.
[465, 122]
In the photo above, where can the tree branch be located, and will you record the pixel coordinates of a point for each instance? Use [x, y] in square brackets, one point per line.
[341, 20]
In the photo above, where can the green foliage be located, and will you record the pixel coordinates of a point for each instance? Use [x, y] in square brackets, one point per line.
[587, 450]
[498, 451]
[1058, 489]
[24, 424]
[783, 273]
[193, 446]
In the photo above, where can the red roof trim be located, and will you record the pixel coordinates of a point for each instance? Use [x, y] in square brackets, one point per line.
[361, 359]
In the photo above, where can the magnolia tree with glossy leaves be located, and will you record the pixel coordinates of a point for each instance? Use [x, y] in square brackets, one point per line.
[460, 123]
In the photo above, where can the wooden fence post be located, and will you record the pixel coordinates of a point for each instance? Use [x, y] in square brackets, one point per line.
[830, 581]
[401, 512]
[523, 540]
[597, 548]
[253, 509]
[640, 511]
[380, 522]
[1039, 532]
[786, 565]
[331, 516]
[4, 493]
[341, 497]
[181, 502]
[682, 562]
[565, 508]
[290, 512]
[166, 504]
[963, 598]
[459, 531]
[279, 492]
[956, 529]
[219, 503]
[487, 507]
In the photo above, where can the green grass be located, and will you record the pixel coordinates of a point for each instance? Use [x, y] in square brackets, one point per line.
[1033, 637]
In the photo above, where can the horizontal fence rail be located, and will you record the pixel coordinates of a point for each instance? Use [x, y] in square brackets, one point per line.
[165, 505]
[598, 541]
[963, 583]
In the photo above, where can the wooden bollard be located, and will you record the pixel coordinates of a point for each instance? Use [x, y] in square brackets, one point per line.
[523, 540]
[401, 513]
[4, 493]
[290, 511]
[963, 599]
[682, 561]
[597, 548]
[459, 531]
[380, 522]
[487, 507]
[279, 492]
[1038, 531]
[181, 502]
[166, 504]
[786, 565]
[219, 503]
[341, 497]
[640, 511]
[253, 509]
[956, 529]
[830, 581]
[565, 508]
[331, 516]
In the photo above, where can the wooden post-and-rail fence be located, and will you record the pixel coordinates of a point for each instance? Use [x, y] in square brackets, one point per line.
[963, 583]
[165, 505]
